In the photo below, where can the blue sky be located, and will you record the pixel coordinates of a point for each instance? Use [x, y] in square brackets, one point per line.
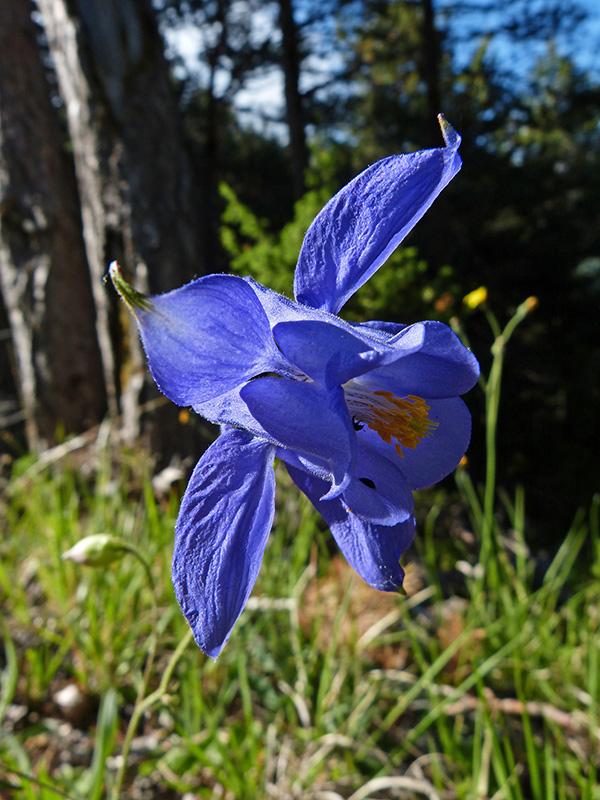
[583, 46]
[265, 90]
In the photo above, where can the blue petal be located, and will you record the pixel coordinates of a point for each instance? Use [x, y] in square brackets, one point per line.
[331, 354]
[305, 418]
[381, 330]
[378, 491]
[439, 453]
[230, 409]
[363, 224]
[280, 309]
[373, 551]
[223, 525]
[302, 463]
[441, 367]
[206, 338]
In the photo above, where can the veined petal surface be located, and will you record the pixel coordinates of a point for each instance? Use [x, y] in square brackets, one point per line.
[220, 536]
[280, 308]
[373, 551]
[206, 338]
[364, 222]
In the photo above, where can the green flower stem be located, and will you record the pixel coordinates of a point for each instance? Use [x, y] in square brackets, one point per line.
[489, 543]
[459, 330]
[152, 642]
[144, 704]
[492, 404]
[129, 548]
[492, 322]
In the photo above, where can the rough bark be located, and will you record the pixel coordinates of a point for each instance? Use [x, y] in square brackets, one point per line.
[135, 183]
[431, 67]
[11, 413]
[43, 270]
[294, 112]
[211, 156]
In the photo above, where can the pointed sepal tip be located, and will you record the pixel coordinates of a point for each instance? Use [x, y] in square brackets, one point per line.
[134, 300]
[451, 137]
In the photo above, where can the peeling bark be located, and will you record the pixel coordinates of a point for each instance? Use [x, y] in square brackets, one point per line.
[43, 270]
[136, 186]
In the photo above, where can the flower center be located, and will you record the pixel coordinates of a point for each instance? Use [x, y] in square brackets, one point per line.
[401, 421]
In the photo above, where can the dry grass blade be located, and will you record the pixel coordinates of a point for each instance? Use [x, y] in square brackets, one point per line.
[396, 782]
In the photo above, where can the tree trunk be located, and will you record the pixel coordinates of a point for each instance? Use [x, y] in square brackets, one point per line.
[43, 270]
[211, 155]
[11, 413]
[135, 182]
[290, 60]
[431, 68]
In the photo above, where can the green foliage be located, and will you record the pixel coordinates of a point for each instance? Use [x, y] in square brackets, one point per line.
[340, 683]
[269, 258]
[486, 676]
[406, 289]
[519, 217]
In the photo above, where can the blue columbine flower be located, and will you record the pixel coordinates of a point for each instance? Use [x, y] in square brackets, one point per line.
[361, 414]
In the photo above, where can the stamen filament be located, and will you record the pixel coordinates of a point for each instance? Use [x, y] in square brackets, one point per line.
[400, 421]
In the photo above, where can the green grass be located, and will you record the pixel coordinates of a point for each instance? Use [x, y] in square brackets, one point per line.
[493, 694]
[483, 682]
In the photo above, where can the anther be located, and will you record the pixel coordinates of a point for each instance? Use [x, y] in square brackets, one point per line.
[402, 422]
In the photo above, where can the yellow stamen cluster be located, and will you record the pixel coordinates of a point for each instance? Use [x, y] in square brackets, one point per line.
[401, 421]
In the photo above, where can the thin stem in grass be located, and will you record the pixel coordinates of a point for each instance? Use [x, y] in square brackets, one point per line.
[493, 385]
[492, 397]
[144, 704]
[478, 673]
[147, 571]
[531, 749]
[100, 550]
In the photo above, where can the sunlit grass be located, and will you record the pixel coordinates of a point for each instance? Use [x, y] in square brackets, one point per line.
[482, 682]
[473, 696]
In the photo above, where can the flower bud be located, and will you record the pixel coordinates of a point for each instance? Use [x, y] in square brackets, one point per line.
[526, 307]
[476, 298]
[97, 550]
